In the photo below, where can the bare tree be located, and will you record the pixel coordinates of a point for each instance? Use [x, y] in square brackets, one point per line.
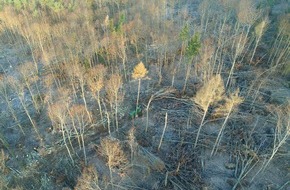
[247, 14]
[281, 115]
[95, 81]
[259, 31]
[122, 53]
[71, 70]
[282, 131]
[88, 180]
[19, 89]
[29, 77]
[58, 112]
[80, 122]
[113, 86]
[111, 149]
[204, 68]
[238, 44]
[5, 91]
[279, 53]
[48, 81]
[77, 74]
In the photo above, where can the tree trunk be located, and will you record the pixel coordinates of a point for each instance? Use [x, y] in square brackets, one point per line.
[100, 107]
[85, 102]
[186, 76]
[199, 129]
[116, 112]
[63, 137]
[218, 139]
[137, 103]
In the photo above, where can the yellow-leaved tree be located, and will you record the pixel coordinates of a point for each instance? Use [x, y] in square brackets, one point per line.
[211, 92]
[139, 73]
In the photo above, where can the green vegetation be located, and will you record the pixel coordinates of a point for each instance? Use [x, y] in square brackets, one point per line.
[34, 5]
[193, 46]
[136, 113]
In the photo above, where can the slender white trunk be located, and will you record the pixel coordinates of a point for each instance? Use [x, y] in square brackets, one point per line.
[231, 71]
[218, 139]
[14, 117]
[85, 102]
[124, 67]
[108, 118]
[188, 70]
[163, 132]
[255, 48]
[200, 126]
[75, 128]
[33, 98]
[84, 148]
[100, 107]
[116, 112]
[137, 103]
[147, 113]
[28, 115]
[64, 140]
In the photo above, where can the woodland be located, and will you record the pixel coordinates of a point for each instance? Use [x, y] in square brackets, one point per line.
[144, 94]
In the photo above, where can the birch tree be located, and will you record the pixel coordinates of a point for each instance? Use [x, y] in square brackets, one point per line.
[113, 86]
[96, 77]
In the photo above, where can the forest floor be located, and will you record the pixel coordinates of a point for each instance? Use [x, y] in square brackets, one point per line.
[177, 164]
[164, 155]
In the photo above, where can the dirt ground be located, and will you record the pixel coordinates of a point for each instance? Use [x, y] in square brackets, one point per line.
[164, 156]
